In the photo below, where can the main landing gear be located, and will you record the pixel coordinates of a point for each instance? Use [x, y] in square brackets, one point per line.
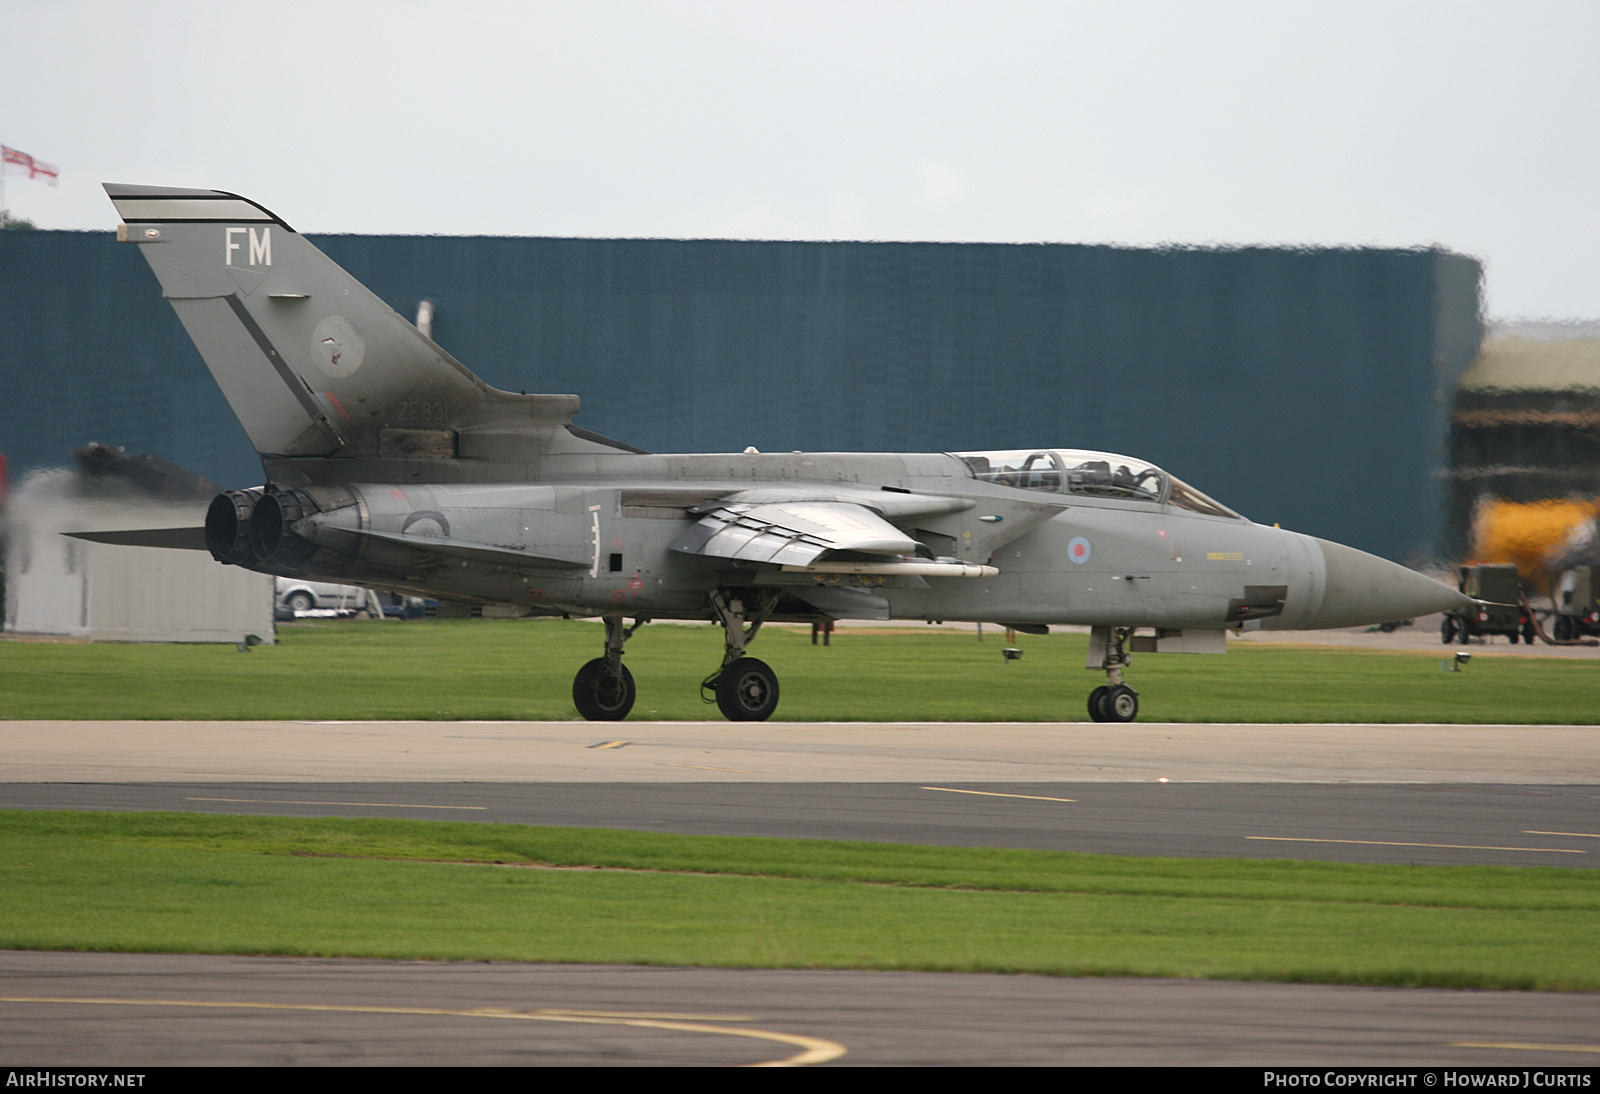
[1114, 701]
[745, 689]
[603, 690]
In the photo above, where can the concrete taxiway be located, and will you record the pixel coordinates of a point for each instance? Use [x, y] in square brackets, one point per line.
[1526, 795]
[1500, 795]
[145, 1010]
[639, 751]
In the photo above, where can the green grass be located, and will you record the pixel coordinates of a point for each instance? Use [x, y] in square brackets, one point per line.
[404, 889]
[523, 670]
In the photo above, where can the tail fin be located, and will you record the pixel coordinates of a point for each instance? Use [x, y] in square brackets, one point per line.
[312, 362]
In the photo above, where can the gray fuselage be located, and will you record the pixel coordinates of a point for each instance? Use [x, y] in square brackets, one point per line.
[607, 523]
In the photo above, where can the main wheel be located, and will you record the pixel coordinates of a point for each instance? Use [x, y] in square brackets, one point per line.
[747, 690]
[602, 695]
[301, 601]
[1563, 628]
[1097, 698]
[1447, 630]
[1529, 634]
[1121, 704]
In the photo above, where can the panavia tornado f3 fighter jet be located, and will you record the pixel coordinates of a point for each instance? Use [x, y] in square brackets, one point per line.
[388, 464]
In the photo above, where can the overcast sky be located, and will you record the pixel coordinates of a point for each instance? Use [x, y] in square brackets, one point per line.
[1467, 124]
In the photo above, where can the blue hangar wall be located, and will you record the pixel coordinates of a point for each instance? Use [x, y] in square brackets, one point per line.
[1308, 387]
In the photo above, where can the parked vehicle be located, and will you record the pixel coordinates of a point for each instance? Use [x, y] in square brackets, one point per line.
[399, 606]
[1498, 586]
[297, 597]
[1576, 595]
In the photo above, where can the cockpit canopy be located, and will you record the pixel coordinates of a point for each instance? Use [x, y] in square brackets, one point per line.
[1089, 474]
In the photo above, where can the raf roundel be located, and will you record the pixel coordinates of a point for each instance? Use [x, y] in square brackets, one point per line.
[337, 347]
[1078, 549]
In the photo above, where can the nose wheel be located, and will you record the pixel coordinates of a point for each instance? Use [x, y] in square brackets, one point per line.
[1113, 701]
[1113, 704]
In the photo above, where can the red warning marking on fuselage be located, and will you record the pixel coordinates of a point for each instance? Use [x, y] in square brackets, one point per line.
[333, 401]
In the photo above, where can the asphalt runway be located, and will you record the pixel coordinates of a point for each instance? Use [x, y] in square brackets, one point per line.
[1502, 825]
[147, 1010]
[1523, 795]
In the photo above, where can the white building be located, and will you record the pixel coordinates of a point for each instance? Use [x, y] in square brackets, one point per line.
[58, 585]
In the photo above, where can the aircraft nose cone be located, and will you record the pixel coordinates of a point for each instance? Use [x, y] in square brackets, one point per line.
[1364, 589]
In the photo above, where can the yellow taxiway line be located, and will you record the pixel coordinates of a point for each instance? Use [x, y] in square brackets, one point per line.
[815, 1050]
[1525, 1046]
[997, 794]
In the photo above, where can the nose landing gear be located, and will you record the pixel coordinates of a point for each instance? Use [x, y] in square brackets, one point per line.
[1114, 701]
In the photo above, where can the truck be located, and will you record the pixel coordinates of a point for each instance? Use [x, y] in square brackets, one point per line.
[1575, 594]
[1501, 611]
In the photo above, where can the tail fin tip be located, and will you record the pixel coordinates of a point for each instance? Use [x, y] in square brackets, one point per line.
[174, 204]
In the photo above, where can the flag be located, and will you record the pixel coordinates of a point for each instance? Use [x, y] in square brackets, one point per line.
[13, 162]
